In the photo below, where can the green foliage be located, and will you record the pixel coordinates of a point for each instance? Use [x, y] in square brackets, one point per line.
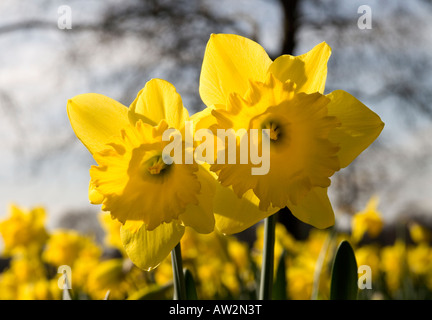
[280, 285]
[191, 292]
[344, 274]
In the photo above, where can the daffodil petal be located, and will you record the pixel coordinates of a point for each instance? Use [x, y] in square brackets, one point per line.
[203, 119]
[360, 126]
[94, 196]
[96, 118]
[315, 209]
[156, 101]
[200, 217]
[147, 249]
[234, 214]
[308, 71]
[229, 62]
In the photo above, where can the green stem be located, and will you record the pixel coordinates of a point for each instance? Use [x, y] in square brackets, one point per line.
[267, 268]
[178, 275]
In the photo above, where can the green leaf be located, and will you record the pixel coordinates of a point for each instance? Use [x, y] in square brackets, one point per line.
[344, 274]
[280, 285]
[191, 292]
[267, 267]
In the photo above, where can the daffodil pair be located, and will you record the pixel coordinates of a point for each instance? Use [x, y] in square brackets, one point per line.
[311, 136]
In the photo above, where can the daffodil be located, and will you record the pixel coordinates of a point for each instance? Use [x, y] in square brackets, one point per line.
[419, 233]
[367, 221]
[369, 255]
[312, 135]
[152, 199]
[419, 259]
[393, 259]
[66, 247]
[108, 275]
[23, 229]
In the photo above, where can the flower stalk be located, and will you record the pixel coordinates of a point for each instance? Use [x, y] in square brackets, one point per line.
[178, 276]
[266, 284]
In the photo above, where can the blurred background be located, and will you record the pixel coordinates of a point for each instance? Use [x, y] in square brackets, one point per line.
[381, 54]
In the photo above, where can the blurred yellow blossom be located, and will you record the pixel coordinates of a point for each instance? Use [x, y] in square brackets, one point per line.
[310, 251]
[23, 229]
[419, 259]
[300, 280]
[163, 273]
[64, 247]
[108, 275]
[393, 264]
[367, 221]
[27, 268]
[419, 233]
[43, 289]
[8, 285]
[369, 255]
[27, 279]
[239, 253]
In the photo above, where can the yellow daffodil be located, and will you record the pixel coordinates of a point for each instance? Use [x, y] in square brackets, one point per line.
[369, 255]
[23, 229]
[420, 259]
[311, 135]
[367, 221]
[27, 279]
[393, 259]
[66, 247]
[300, 281]
[419, 233]
[154, 200]
[27, 268]
[239, 253]
[42, 289]
[8, 285]
[108, 275]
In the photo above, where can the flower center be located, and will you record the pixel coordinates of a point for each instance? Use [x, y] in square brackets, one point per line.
[274, 128]
[279, 129]
[155, 165]
[135, 182]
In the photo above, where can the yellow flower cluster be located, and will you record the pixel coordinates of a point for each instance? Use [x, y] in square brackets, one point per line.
[223, 267]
